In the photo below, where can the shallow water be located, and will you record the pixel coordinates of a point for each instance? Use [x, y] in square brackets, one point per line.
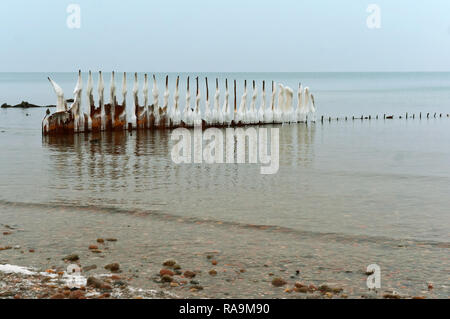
[347, 194]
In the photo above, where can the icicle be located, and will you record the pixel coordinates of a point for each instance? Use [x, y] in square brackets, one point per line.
[60, 102]
[135, 114]
[101, 100]
[124, 89]
[197, 112]
[187, 113]
[145, 92]
[242, 114]
[262, 108]
[164, 111]
[299, 110]
[235, 113]
[123, 116]
[76, 106]
[112, 97]
[306, 103]
[313, 109]
[176, 116]
[217, 115]
[136, 90]
[252, 113]
[288, 114]
[208, 115]
[227, 117]
[268, 116]
[89, 90]
[155, 93]
[277, 115]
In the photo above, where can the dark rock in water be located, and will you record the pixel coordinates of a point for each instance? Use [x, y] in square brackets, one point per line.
[278, 282]
[72, 257]
[391, 296]
[113, 267]
[70, 100]
[24, 105]
[111, 239]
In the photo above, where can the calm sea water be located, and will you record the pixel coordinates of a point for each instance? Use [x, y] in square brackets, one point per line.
[347, 194]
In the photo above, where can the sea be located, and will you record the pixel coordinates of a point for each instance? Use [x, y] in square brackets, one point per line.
[349, 192]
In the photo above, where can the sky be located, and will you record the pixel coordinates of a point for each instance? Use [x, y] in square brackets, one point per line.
[225, 36]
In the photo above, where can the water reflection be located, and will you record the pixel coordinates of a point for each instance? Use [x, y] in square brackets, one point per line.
[136, 168]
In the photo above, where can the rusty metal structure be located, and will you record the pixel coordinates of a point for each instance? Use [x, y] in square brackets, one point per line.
[113, 116]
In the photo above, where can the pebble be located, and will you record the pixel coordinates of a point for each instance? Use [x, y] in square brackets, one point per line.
[189, 274]
[93, 247]
[113, 267]
[167, 272]
[166, 278]
[100, 240]
[214, 262]
[278, 282]
[6, 233]
[97, 283]
[299, 285]
[213, 272]
[72, 257]
[169, 263]
[89, 268]
[326, 289]
[430, 286]
[111, 239]
[77, 294]
[303, 290]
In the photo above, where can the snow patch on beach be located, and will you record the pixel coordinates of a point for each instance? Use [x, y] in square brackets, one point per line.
[13, 269]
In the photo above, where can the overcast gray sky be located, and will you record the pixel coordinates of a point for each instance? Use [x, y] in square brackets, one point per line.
[225, 35]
